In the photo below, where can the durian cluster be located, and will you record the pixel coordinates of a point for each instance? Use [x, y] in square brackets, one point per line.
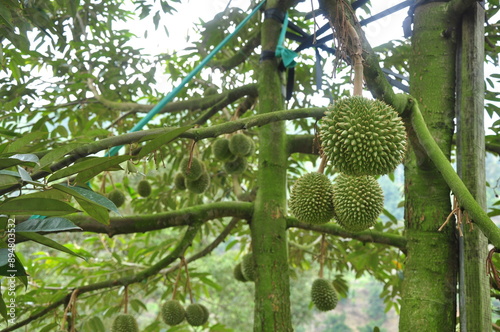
[173, 313]
[234, 152]
[118, 197]
[245, 271]
[193, 176]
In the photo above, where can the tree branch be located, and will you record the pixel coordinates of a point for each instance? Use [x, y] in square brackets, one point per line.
[457, 7]
[302, 144]
[240, 57]
[125, 281]
[394, 240]
[151, 222]
[464, 197]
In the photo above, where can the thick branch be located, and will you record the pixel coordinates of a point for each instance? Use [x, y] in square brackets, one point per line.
[151, 222]
[125, 281]
[466, 200]
[394, 240]
[190, 105]
[457, 7]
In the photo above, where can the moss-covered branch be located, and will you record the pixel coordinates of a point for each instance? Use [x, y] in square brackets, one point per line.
[457, 7]
[465, 198]
[192, 104]
[151, 222]
[368, 236]
[125, 281]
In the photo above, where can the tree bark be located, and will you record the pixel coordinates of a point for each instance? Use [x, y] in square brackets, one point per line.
[268, 226]
[475, 307]
[429, 285]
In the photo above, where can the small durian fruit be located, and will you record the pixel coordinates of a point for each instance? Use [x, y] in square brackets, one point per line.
[220, 148]
[323, 295]
[125, 323]
[117, 197]
[240, 144]
[363, 137]
[236, 166]
[252, 149]
[200, 185]
[311, 199]
[196, 314]
[172, 312]
[180, 181]
[248, 267]
[210, 91]
[358, 201]
[144, 188]
[238, 273]
[195, 171]
[207, 313]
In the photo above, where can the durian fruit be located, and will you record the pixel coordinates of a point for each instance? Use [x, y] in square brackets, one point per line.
[358, 200]
[323, 295]
[144, 188]
[248, 267]
[240, 144]
[363, 137]
[210, 91]
[220, 148]
[125, 323]
[238, 273]
[172, 312]
[117, 197]
[196, 314]
[252, 149]
[200, 185]
[311, 199]
[195, 171]
[180, 181]
[236, 166]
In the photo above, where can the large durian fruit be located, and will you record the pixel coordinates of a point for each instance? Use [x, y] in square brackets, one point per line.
[125, 323]
[172, 312]
[323, 295]
[311, 199]
[196, 314]
[358, 201]
[363, 137]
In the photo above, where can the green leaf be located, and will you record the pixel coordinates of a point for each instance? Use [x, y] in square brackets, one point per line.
[47, 242]
[161, 140]
[8, 180]
[10, 265]
[95, 324]
[3, 307]
[25, 176]
[54, 156]
[41, 206]
[52, 224]
[88, 168]
[50, 327]
[99, 213]
[87, 195]
[20, 144]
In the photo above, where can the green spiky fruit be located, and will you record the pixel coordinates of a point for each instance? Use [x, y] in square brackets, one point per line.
[248, 267]
[125, 323]
[196, 314]
[358, 200]
[200, 185]
[195, 171]
[238, 274]
[252, 149]
[236, 166]
[117, 197]
[311, 199]
[363, 137]
[240, 144]
[172, 312]
[323, 295]
[220, 148]
[144, 188]
[180, 181]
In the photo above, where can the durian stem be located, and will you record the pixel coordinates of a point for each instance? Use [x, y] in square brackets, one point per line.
[322, 164]
[357, 57]
[176, 285]
[322, 253]
[125, 299]
[71, 305]
[465, 198]
[188, 282]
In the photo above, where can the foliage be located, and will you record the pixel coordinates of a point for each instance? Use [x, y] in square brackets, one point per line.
[73, 84]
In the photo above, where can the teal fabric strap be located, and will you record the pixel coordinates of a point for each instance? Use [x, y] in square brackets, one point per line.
[287, 56]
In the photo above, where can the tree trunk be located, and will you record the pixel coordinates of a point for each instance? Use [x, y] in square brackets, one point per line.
[268, 226]
[475, 307]
[430, 276]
